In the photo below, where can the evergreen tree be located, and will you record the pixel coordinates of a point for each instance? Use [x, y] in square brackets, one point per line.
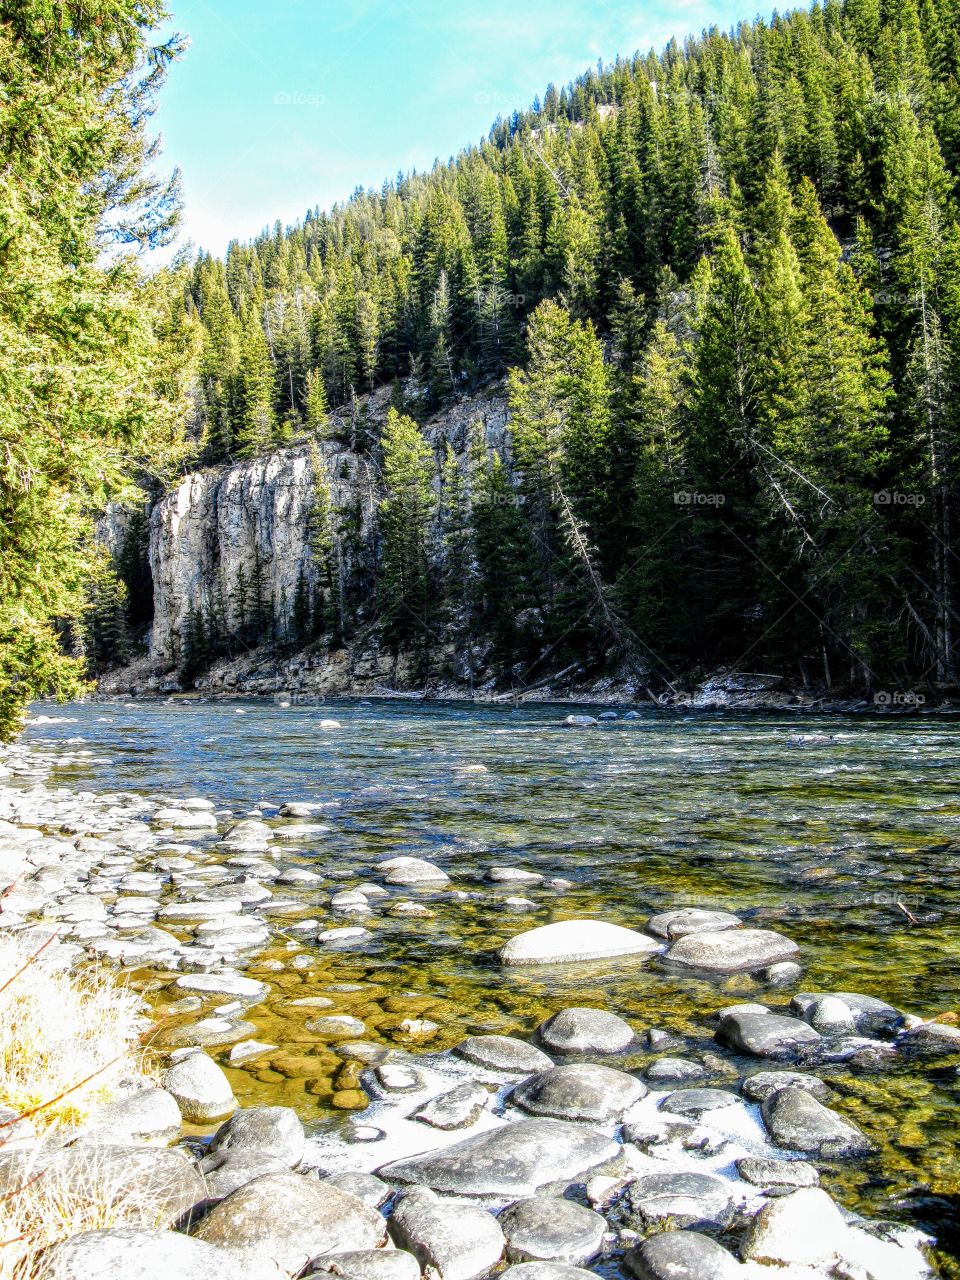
[405, 514]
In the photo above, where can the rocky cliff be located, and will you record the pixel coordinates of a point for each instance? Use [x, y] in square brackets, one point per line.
[224, 525]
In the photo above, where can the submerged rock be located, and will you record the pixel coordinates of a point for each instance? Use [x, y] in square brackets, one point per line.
[567, 941]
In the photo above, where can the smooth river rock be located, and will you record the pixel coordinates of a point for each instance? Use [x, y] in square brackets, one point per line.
[765, 1035]
[458, 1241]
[509, 1162]
[797, 1121]
[503, 1053]
[567, 941]
[457, 1109]
[805, 1228]
[680, 1255]
[551, 1229]
[579, 1030]
[685, 1199]
[201, 1089]
[677, 924]
[731, 950]
[581, 1091]
[128, 1254]
[272, 1131]
[290, 1218]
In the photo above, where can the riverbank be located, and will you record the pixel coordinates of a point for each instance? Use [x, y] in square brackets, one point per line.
[204, 906]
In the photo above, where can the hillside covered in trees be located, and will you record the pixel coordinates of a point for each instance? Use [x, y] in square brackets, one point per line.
[723, 285]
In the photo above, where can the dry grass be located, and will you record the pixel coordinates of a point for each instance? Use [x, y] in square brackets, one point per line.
[65, 1040]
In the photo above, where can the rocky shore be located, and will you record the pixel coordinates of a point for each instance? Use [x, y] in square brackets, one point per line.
[540, 1155]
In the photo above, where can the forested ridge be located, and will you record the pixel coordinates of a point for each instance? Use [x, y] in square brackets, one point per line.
[720, 288]
[727, 281]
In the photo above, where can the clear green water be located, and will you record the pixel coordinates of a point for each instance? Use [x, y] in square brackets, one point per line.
[817, 827]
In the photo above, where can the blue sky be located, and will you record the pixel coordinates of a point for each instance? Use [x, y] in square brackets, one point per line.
[280, 105]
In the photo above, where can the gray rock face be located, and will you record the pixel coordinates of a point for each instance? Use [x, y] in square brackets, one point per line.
[290, 1218]
[765, 1035]
[127, 1254]
[459, 1241]
[677, 924]
[583, 1091]
[457, 1109]
[567, 941]
[797, 1121]
[507, 1163]
[201, 1089]
[579, 1030]
[763, 1083]
[681, 1199]
[371, 1264]
[680, 1255]
[731, 950]
[760, 1171]
[273, 1131]
[697, 1102]
[503, 1053]
[551, 1229]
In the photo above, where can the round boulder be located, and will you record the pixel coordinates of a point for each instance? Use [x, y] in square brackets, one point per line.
[680, 1255]
[201, 1089]
[579, 1030]
[582, 1091]
[567, 941]
[551, 1229]
[731, 950]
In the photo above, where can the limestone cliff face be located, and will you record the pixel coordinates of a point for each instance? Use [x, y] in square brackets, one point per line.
[219, 524]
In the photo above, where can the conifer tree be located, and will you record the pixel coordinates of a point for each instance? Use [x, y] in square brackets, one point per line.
[405, 515]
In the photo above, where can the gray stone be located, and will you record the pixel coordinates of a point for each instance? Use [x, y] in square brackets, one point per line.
[784, 974]
[670, 1069]
[568, 941]
[579, 1030]
[227, 1170]
[223, 984]
[931, 1039]
[731, 950]
[677, 924]
[398, 1077]
[697, 1102]
[870, 1015]
[805, 1228]
[551, 1229]
[545, 1271]
[581, 1091]
[513, 875]
[765, 1035]
[761, 1171]
[459, 1241]
[764, 1083]
[412, 871]
[290, 1218]
[508, 1162]
[679, 1199]
[373, 1191]
[128, 1254]
[336, 1026]
[830, 1016]
[797, 1121]
[201, 1089]
[680, 1255]
[503, 1053]
[274, 1131]
[148, 1115]
[370, 1264]
[458, 1109]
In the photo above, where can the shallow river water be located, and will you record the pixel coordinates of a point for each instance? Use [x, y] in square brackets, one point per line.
[843, 833]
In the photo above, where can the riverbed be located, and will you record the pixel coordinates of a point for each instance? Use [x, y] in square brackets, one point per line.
[842, 833]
